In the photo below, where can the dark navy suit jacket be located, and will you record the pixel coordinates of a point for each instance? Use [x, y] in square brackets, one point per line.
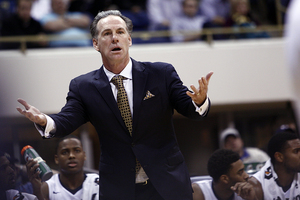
[153, 140]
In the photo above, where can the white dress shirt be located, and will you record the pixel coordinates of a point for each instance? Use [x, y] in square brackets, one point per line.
[127, 73]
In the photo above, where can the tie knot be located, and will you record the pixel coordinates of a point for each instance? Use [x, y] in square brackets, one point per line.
[118, 81]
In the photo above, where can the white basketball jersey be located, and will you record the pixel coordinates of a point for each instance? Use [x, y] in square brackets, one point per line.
[206, 187]
[89, 190]
[267, 177]
[16, 195]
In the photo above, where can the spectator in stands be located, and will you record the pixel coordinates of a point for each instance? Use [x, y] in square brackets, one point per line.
[71, 28]
[133, 9]
[79, 6]
[21, 23]
[252, 157]
[241, 17]
[40, 8]
[216, 13]
[189, 21]
[8, 182]
[228, 175]
[161, 13]
[71, 182]
[7, 7]
[279, 178]
[136, 11]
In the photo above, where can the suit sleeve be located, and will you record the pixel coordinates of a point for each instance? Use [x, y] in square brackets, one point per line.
[73, 114]
[178, 97]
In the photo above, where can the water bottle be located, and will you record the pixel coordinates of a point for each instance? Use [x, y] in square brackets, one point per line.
[45, 171]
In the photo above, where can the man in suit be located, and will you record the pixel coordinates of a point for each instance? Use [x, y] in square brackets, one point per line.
[146, 140]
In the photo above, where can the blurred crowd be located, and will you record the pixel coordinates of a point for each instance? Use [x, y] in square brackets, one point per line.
[67, 21]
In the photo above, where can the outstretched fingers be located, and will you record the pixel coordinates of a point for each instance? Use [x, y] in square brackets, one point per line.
[32, 113]
[200, 94]
[26, 106]
[208, 76]
[24, 103]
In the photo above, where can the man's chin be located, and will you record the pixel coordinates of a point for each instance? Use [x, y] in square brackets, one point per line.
[71, 170]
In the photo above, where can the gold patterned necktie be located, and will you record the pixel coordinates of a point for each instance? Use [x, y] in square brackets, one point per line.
[122, 101]
[123, 104]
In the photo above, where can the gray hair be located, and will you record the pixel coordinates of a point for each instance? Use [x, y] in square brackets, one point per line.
[103, 14]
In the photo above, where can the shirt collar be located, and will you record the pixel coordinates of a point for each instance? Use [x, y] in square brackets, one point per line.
[126, 72]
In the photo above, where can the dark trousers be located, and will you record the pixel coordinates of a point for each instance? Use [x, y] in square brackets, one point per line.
[146, 192]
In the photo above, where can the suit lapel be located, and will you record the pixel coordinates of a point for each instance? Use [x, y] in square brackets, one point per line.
[103, 86]
[139, 77]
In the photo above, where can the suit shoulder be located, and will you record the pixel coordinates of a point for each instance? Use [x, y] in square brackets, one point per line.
[154, 66]
[86, 76]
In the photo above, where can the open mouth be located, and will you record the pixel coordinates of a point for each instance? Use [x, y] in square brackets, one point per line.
[117, 49]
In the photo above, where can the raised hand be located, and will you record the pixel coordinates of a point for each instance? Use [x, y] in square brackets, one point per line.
[32, 113]
[199, 94]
